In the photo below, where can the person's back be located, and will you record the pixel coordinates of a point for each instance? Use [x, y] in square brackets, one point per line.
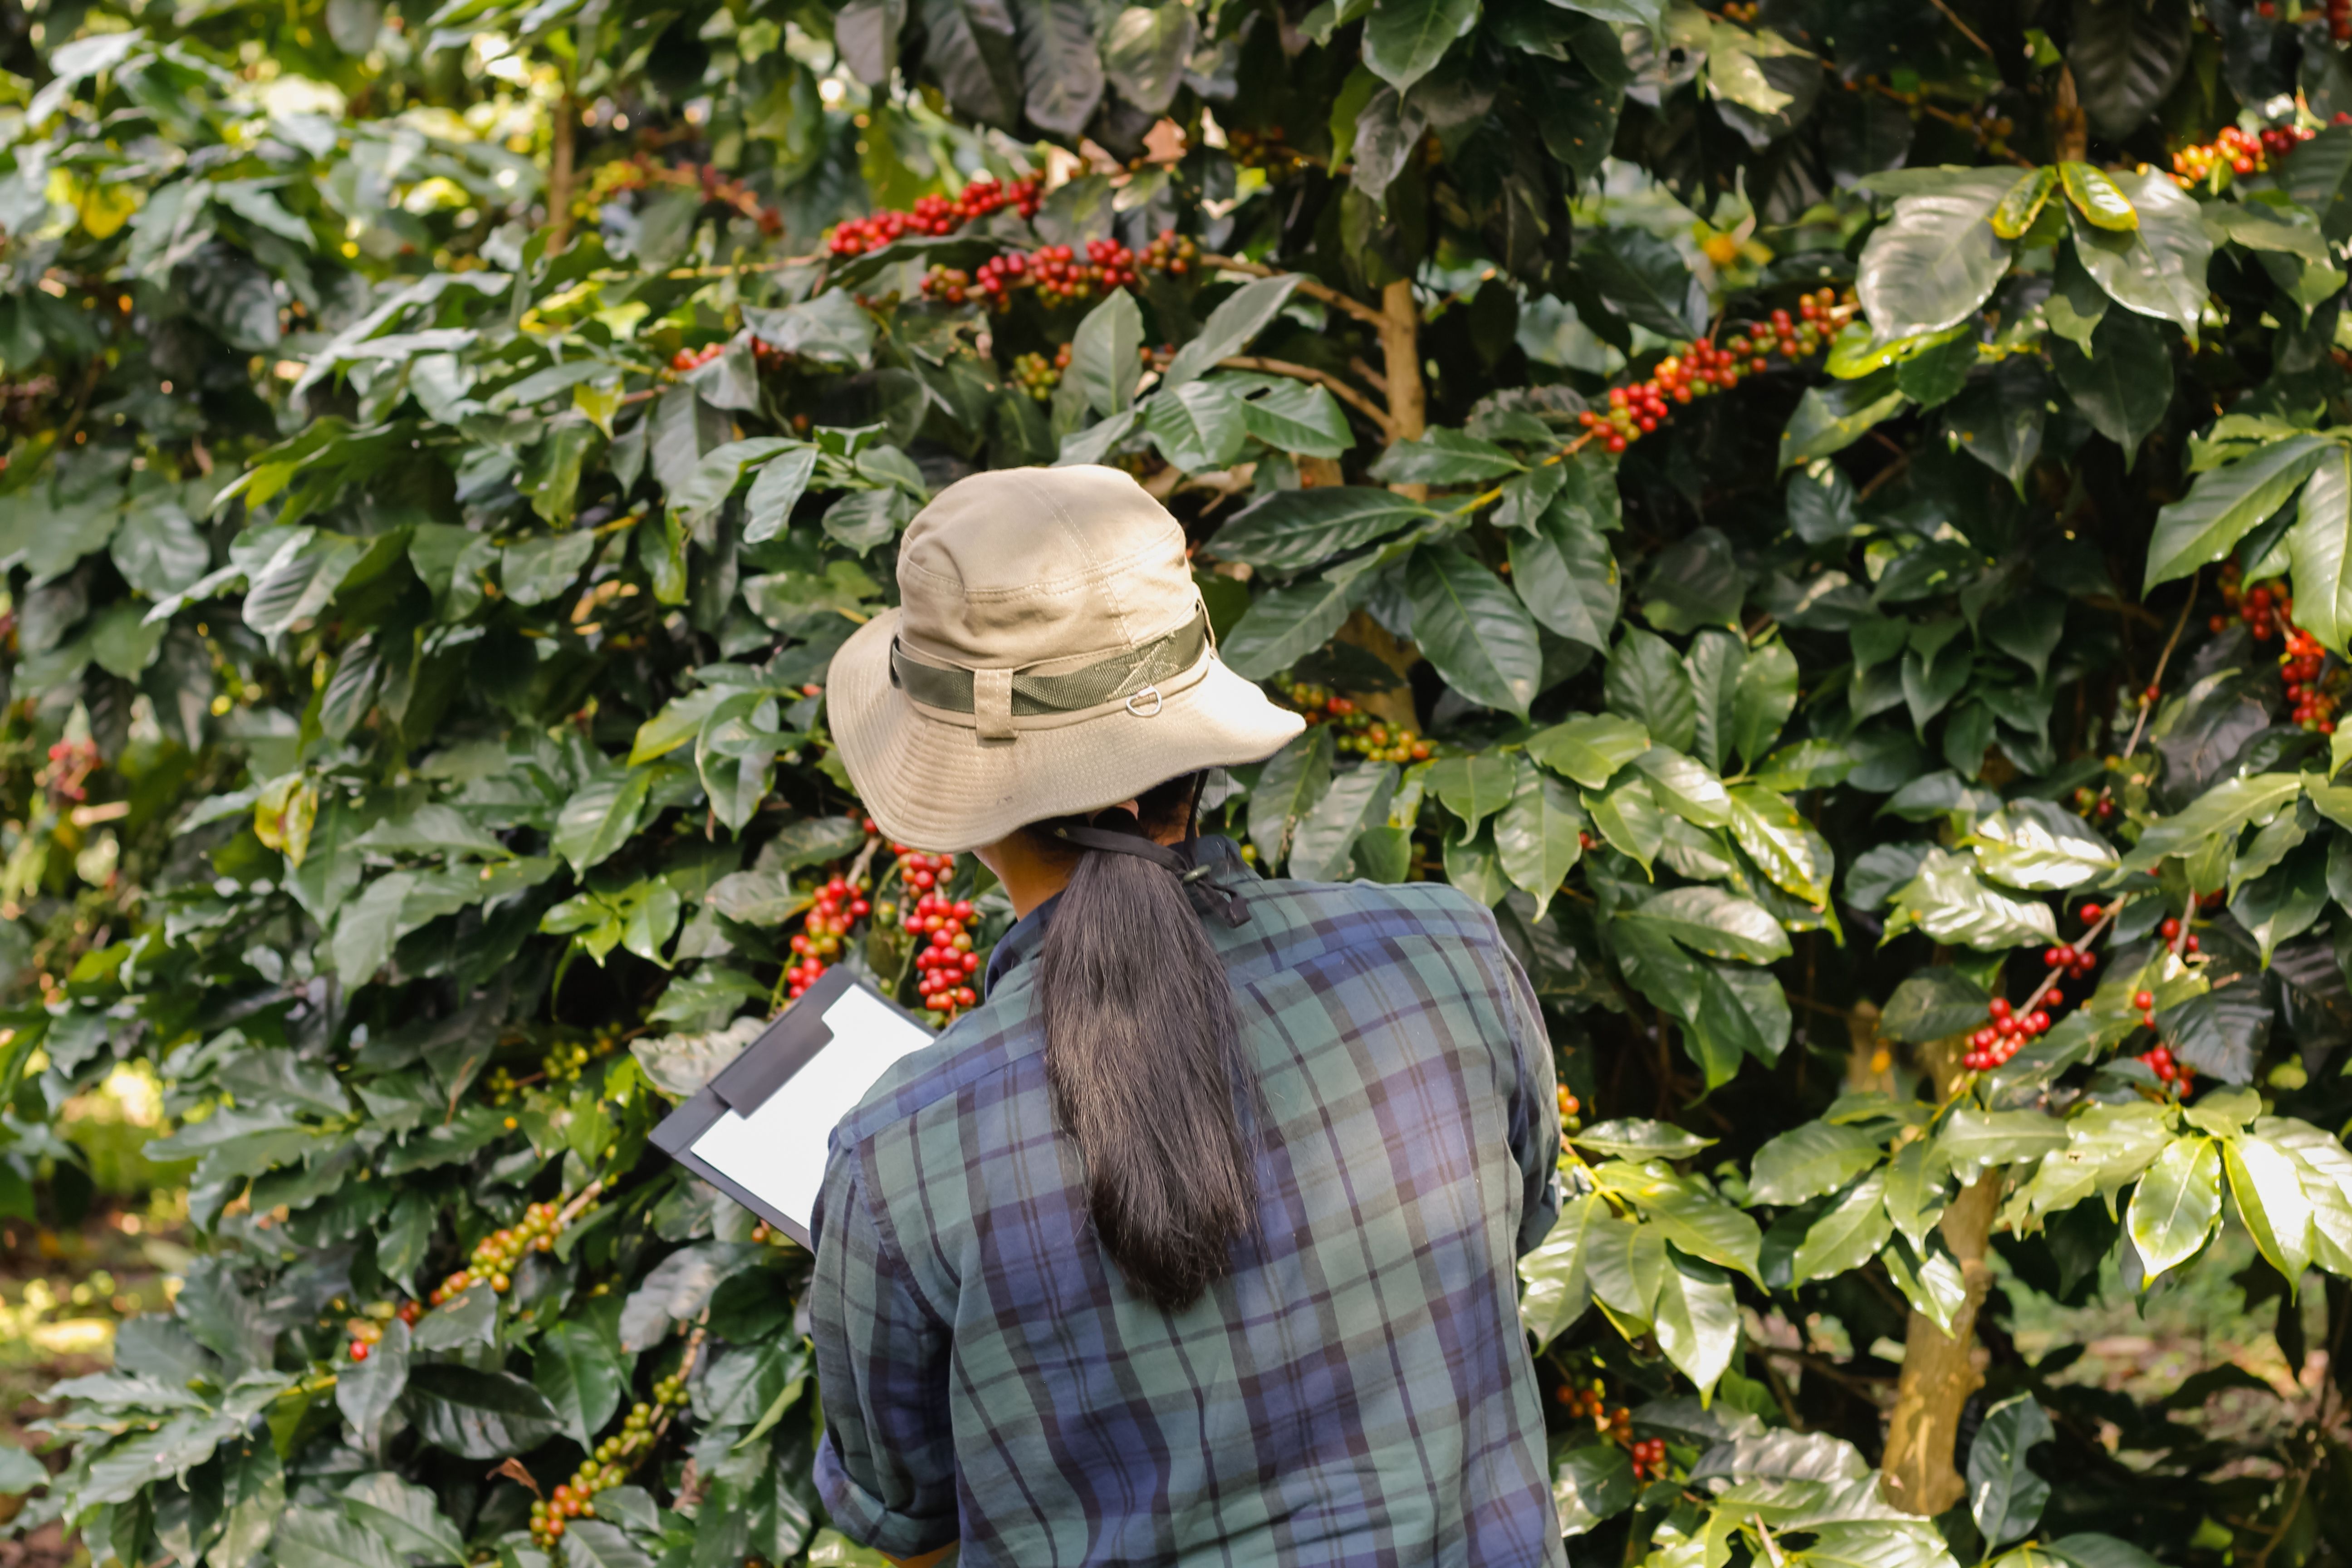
[1356, 1390]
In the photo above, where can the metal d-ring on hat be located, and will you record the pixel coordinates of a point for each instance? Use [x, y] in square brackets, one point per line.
[1042, 611]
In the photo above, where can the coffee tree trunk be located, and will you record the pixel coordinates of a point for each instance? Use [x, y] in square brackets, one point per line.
[1939, 1369]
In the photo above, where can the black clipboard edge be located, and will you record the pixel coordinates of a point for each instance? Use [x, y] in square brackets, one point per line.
[675, 1136]
[744, 1085]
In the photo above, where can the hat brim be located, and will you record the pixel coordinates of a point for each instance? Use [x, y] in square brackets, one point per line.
[935, 785]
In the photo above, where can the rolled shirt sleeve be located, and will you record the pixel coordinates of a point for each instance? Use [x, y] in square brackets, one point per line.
[886, 1469]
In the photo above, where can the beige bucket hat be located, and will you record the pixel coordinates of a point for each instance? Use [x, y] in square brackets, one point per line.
[1050, 656]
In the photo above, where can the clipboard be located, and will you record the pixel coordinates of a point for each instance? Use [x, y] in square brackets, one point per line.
[765, 1147]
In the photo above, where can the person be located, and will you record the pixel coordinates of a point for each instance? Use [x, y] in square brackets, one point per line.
[1195, 1242]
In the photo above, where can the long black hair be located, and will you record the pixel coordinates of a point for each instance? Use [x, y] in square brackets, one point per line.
[1144, 1055]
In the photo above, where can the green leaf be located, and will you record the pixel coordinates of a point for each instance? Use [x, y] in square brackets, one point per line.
[580, 1373]
[1296, 415]
[2222, 811]
[1876, 1544]
[1697, 1319]
[2226, 503]
[2024, 202]
[2268, 1187]
[1685, 787]
[600, 816]
[1355, 801]
[1474, 629]
[1197, 427]
[313, 1538]
[1589, 747]
[1716, 924]
[1784, 845]
[157, 547]
[1061, 69]
[1933, 1005]
[2321, 545]
[1645, 280]
[366, 1393]
[1686, 1212]
[2125, 59]
[1949, 903]
[1592, 1484]
[1473, 786]
[1808, 1160]
[1936, 259]
[2038, 844]
[1558, 1291]
[477, 1414]
[596, 1543]
[407, 1517]
[1144, 50]
[2157, 268]
[2176, 1205]
[1284, 625]
[1566, 576]
[1761, 700]
[1832, 416]
[1294, 780]
[1103, 351]
[1294, 529]
[2004, 1494]
[1646, 682]
[1539, 834]
[1629, 818]
[1634, 1139]
[2125, 384]
[1238, 318]
[1847, 1235]
[1443, 457]
[2096, 198]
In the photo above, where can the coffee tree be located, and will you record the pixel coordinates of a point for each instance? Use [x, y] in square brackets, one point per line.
[1831, 518]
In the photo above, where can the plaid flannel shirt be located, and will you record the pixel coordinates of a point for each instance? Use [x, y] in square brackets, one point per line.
[1357, 1391]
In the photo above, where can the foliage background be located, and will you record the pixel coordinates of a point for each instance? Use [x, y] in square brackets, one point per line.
[443, 451]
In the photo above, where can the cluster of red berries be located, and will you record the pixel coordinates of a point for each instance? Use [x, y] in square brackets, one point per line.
[948, 963]
[606, 1465]
[2240, 151]
[1037, 376]
[1703, 367]
[695, 359]
[934, 216]
[1570, 1109]
[1355, 730]
[1590, 1400]
[497, 1255]
[2000, 1039]
[839, 904]
[1649, 1459]
[1171, 253]
[2267, 609]
[71, 765]
[2159, 1060]
[2095, 803]
[367, 1332]
[2171, 931]
[2077, 962]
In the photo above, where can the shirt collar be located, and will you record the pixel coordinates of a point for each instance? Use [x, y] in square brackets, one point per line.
[1014, 947]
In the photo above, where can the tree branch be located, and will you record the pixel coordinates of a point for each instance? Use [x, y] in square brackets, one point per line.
[1339, 389]
[1307, 286]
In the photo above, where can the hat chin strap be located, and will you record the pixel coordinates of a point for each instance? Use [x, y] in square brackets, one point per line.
[1125, 835]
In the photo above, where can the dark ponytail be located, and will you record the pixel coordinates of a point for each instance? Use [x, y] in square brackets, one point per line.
[1144, 1056]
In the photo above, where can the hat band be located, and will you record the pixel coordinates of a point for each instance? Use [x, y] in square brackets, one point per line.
[1126, 674]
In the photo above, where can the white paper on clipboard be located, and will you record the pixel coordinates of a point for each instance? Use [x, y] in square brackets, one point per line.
[778, 1152]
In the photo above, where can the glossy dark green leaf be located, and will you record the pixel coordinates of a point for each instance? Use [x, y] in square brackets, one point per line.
[2125, 384]
[1565, 574]
[1833, 416]
[1294, 780]
[1937, 259]
[1294, 529]
[1645, 280]
[1646, 683]
[2126, 59]
[2159, 267]
[1932, 1005]
[1283, 626]
[1474, 629]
